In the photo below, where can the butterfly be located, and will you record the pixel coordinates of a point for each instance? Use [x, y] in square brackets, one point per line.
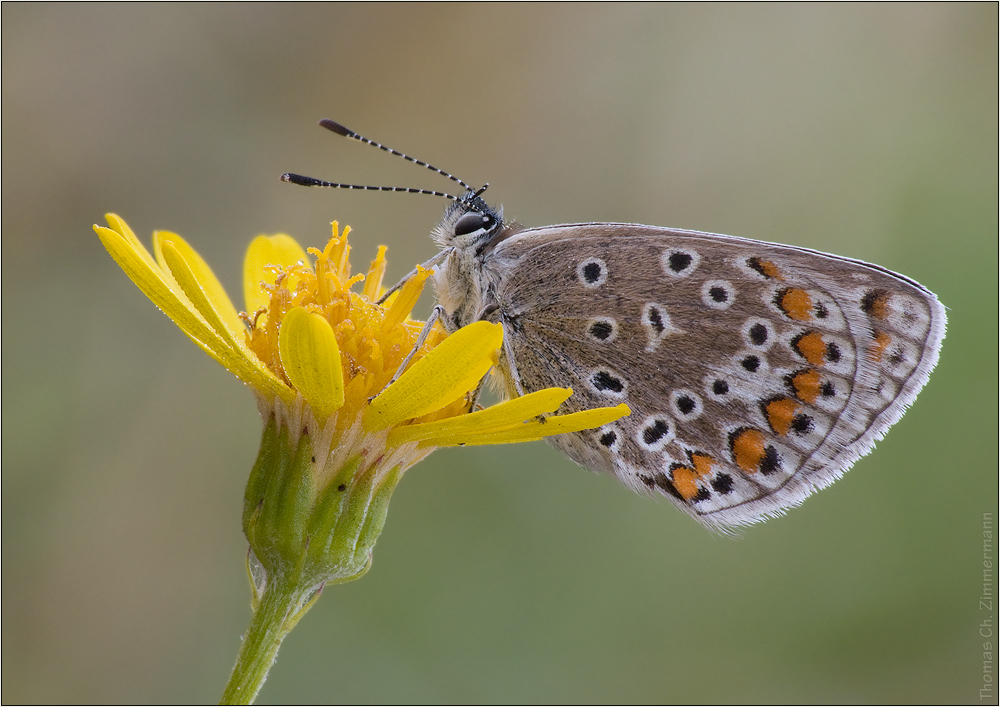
[757, 373]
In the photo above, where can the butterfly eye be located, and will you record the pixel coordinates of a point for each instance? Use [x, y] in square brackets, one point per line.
[473, 222]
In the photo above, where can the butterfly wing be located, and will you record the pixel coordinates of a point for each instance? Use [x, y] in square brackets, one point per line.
[756, 373]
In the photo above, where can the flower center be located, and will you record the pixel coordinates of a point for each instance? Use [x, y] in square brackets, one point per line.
[373, 339]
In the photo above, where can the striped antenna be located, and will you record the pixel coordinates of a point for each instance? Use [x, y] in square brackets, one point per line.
[341, 130]
[312, 182]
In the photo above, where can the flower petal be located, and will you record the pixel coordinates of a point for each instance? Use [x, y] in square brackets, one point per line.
[220, 309]
[159, 286]
[280, 250]
[491, 420]
[376, 271]
[398, 307]
[226, 323]
[529, 431]
[453, 367]
[119, 227]
[311, 359]
[238, 358]
[166, 294]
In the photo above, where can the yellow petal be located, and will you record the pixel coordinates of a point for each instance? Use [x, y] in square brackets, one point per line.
[238, 358]
[220, 309]
[135, 260]
[376, 271]
[453, 367]
[528, 432]
[122, 229]
[311, 359]
[399, 307]
[198, 292]
[163, 290]
[491, 420]
[280, 250]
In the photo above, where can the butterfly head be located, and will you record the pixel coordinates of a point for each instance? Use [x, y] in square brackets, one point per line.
[470, 223]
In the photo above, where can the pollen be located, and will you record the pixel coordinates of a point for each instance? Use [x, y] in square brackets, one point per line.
[373, 340]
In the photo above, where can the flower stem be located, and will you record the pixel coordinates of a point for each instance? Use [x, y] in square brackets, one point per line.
[281, 606]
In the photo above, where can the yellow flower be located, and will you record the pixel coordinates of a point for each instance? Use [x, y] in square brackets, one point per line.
[321, 357]
[342, 421]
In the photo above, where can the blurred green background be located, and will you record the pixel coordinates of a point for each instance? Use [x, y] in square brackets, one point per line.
[503, 574]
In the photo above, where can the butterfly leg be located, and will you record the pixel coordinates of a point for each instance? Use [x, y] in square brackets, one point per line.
[436, 314]
[429, 265]
[514, 377]
[474, 395]
[428, 325]
[508, 353]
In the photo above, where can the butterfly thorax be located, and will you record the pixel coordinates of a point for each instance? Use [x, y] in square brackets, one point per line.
[469, 232]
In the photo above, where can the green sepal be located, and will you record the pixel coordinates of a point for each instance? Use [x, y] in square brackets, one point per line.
[303, 536]
[278, 501]
[271, 458]
[344, 538]
[329, 508]
[287, 508]
[306, 535]
[375, 520]
[335, 544]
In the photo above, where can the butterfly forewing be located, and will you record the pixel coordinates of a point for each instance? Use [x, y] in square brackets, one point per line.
[756, 373]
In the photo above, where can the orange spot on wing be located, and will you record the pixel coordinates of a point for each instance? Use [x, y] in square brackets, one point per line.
[780, 414]
[767, 268]
[764, 267]
[806, 385]
[796, 304]
[771, 270]
[875, 303]
[812, 348]
[875, 351]
[702, 464]
[748, 450]
[685, 481]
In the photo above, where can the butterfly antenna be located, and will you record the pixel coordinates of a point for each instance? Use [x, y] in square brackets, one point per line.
[341, 130]
[312, 182]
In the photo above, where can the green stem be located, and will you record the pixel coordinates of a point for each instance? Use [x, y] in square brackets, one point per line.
[281, 606]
